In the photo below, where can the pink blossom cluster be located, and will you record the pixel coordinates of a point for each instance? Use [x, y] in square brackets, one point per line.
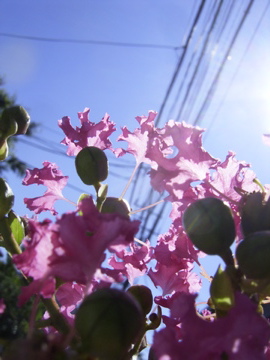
[86, 249]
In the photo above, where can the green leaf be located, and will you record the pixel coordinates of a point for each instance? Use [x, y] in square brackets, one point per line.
[221, 291]
[16, 226]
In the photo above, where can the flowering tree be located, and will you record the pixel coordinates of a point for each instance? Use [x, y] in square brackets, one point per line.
[71, 266]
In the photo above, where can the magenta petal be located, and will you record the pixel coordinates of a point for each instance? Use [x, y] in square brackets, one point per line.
[55, 181]
[89, 134]
[138, 141]
[175, 172]
[236, 335]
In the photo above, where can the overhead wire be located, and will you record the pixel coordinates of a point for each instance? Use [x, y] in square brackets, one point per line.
[214, 83]
[189, 65]
[207, 63]
[247, 48]
[181, 60]
[199, 60]
[89, 42]
[62, 153]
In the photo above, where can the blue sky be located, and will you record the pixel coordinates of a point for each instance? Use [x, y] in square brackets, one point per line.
[54, 79]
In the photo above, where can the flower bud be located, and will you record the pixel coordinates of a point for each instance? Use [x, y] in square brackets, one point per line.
[3, 150]
[109, 321]
[116, 206]
[221, 290]
[91, 165]
[14, 115]
[210, 226]
[144, 297]
[253, 255]
[6, 198]
[255, 214]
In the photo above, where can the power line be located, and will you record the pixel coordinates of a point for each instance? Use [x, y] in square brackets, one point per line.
[90, 42]
[238, 68]
[180, 62]
[213, 86]
[201, 56]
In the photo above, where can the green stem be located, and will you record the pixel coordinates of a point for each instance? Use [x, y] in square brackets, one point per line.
[137, 347]
[227, 257]
[58, 320]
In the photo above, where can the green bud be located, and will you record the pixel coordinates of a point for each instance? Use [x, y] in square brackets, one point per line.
[221, 291]
[255, 214]
[14, 115]
[7, 129]
[91, 165]
[109, 321]
[144, 297]
[155, 319]
[6, 198]
[210, 226]
[3, 150]
[115, 205]
[253, 255]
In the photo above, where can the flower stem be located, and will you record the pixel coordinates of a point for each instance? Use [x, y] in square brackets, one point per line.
[129, 182]
[58, 320]
[147, 207]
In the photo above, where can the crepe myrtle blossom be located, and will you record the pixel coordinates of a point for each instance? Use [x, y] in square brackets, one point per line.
[139, 140]
[132, 262]
[241, 334]
[175, 172]
[51, 177]
[175, 256]
[227, 181]
[88, 134]
[73, 247]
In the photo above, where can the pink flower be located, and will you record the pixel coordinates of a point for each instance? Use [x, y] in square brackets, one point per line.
[175, 172]
[242, 334]
[89, 134]
[74, 247]
[229, 176]
[139, 140]
[55, 181]
[69, 296]
[175, 255]
[133, 261]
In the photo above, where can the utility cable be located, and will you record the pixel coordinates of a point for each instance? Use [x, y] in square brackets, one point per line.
[199, 61]
[213, 86]
[90, 42]
[180, 62]
[238, 68]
